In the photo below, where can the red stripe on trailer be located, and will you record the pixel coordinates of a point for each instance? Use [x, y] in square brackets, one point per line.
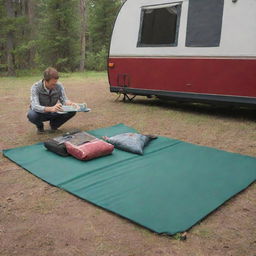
[236, 77]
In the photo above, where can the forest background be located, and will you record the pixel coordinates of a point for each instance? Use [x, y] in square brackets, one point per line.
[70, 35]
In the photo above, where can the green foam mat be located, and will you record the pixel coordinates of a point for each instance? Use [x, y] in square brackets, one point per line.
[167, 190]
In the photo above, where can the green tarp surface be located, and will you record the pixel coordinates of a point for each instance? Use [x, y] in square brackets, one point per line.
[167, 190]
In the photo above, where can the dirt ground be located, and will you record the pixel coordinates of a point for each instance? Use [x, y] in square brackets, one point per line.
[42, 220]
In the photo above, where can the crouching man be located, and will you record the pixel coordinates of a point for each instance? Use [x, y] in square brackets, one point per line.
[47, 97]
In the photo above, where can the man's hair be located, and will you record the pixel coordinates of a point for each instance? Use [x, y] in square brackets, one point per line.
[50, 73]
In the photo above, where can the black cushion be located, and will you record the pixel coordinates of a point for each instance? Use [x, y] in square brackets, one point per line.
[57, 144]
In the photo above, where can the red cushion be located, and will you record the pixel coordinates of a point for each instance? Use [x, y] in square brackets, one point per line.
[89, 150]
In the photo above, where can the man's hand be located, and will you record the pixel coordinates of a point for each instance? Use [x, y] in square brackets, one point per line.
[56, 108]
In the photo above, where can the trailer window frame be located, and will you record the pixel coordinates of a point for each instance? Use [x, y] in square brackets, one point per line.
[178, 6]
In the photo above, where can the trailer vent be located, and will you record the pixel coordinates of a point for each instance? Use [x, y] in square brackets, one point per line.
[159, 25]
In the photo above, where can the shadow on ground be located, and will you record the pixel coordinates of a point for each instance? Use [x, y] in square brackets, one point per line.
[220, 110]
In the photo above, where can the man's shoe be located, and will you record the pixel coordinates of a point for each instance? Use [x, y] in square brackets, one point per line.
[54, 130]
[40, 130]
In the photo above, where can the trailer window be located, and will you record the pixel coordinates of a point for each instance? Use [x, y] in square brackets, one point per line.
[159, 26]
[204, 23]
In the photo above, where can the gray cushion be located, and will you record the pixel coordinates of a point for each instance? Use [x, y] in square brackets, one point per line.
[130, 142]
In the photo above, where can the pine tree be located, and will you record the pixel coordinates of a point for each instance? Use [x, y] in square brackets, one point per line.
[9, 33]
[15, 35]
[102, 14]
[59, 39]
[24, 41]
[83, 7]
[3, 64]
[101, 18]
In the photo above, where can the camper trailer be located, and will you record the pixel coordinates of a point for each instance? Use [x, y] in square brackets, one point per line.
[190, 50]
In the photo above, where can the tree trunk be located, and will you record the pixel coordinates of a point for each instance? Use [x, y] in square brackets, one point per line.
[23, 4]
[10, 39]
[31, 20]
[83, 15]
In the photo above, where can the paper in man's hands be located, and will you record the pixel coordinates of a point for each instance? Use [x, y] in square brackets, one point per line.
[78, 107]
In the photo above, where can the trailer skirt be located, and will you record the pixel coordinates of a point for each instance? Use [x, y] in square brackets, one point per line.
[205, 78]
[192, 97]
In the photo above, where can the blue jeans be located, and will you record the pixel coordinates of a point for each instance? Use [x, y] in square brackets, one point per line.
[56, 120]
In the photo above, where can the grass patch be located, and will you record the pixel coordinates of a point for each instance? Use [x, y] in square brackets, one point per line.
[24, 74]
[204, 233]
[86, 74]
